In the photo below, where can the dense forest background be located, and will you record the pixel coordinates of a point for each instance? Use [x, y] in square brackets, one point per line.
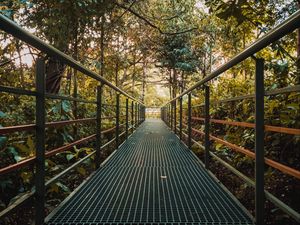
[153, 50]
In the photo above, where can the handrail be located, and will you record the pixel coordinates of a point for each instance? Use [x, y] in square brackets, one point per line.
[278, 91]
[15, 30]
[279, 166]
[284, 130]
[276, 33]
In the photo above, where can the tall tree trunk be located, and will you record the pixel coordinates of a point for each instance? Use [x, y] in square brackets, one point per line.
[144, 80]
[174, 83]
[75, 82]
[102, 47]
[298, 52]
[22, 79]
[54, 73]
[117, 72]
[182, 81]
[170, 84]
[133, 73]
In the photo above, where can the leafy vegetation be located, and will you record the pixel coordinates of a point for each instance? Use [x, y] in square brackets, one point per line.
[153, 50]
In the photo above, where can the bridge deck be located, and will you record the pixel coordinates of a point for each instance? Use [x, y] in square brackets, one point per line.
[151, 179]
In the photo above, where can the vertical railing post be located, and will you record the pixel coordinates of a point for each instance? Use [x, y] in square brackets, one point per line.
[166, 114]
[175, 119]
[167, 118]
[139, 114]
[127, 125]
[259, 142]
[180, 118]
[135, 115]
[98, 124]
[189, 120]
[117, 119]
[40, 143]
[132, 116]
[171, 115]
[206, 128]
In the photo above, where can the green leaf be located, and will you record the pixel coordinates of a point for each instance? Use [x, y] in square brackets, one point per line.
[219, 146]
[66, 106]
[62, 186]
[13, 151]
[2, 114]
[3, 141]
[70, 156]
[81, 170]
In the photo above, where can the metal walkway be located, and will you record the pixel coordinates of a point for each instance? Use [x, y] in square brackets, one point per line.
[151, 179]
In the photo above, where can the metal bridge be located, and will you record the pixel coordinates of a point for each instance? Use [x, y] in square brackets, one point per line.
[152, 177]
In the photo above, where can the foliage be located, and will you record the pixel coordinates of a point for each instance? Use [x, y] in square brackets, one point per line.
[153, 50]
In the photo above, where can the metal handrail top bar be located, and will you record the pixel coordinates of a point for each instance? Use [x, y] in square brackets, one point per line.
[17, 31]
[289, 25]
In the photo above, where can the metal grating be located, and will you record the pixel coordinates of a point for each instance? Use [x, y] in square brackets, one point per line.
[151, 179]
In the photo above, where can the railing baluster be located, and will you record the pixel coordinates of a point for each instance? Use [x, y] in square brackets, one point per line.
[171, 116]
[259, 142]
[207, 118]
[175, 123]
[98, 128]
[139, 114]
[40, 143]
[132, 116]
[143, 110]
[180, 118]
[117, 119]
[190, 120]
[135, 115]
[126, 118]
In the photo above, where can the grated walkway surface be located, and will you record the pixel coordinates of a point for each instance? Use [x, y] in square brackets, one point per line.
[151, 179]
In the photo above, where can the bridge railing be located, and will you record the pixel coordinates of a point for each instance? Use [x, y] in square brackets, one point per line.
[173, 114]
[129, 113]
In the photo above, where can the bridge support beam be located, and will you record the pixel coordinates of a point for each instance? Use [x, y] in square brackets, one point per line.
[135, 115]
[99, 126]
[127, 118]
[207, 118]
[175, 119]
[180, 118]
[40, 143]
[117, 119]
[190, 120]
[132, 115]
[259, 142]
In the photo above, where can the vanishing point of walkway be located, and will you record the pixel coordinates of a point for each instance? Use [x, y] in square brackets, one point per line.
[151, 179]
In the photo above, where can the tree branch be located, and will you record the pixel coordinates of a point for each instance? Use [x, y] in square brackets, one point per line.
[150, 23]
